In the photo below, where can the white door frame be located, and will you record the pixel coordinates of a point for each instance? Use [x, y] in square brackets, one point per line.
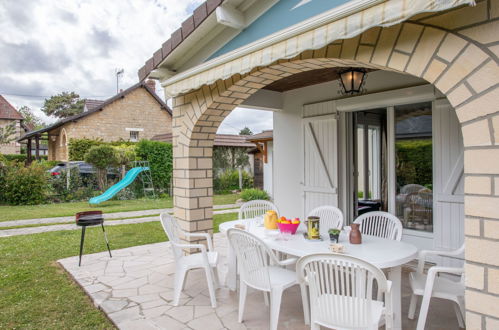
[388, 100]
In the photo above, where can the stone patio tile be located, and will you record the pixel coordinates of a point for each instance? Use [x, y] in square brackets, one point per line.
[202, 311]
[124, 293]
[199, 300]
[230, 321]
[168, 323]
[154, 303]
[141, 324]
[134, 283]
[207, 322]
[156, 311]
[95, 288]
[144, 298]
[111, 306]
[125, 315]
[182, 313]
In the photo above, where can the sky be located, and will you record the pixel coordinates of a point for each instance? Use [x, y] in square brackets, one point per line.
[51, 46]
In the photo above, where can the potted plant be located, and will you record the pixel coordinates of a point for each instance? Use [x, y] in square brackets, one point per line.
[334, 235]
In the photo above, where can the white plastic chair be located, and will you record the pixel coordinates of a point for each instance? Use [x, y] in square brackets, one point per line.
[380, 224]
[261, 270]
[431, 285]
[207, 259]
[256, 208]
[341, 292]
[330, 217]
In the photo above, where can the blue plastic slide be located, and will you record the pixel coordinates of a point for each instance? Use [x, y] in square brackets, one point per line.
[113, 190]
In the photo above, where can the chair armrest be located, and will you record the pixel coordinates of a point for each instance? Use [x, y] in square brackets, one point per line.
[287, 262]
[204, 235]
[190, 246]
[423, 254]
[446, 270]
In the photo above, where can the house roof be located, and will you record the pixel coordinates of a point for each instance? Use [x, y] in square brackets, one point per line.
[266, 135]
[97, 108]
[221, 140]
[7, 111]
[188, 26]
[92, 104]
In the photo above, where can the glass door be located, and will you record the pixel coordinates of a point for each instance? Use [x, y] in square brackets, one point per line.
[369, 161]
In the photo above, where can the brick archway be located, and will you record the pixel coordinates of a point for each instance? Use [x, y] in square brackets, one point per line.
[458, 67]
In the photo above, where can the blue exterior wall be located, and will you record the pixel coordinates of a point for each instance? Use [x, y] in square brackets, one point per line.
[282, 15]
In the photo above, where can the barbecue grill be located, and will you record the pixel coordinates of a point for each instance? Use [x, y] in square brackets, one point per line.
[90, 218]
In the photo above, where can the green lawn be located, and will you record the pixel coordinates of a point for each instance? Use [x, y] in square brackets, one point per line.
[8, 212]
[35, 293]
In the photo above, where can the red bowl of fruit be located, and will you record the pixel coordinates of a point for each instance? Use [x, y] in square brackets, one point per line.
[288, 225]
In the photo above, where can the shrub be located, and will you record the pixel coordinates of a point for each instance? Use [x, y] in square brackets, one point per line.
[124, 155]
[254, 194]
[160, 158]
[26, 185]
[79, 147]
[101, 157]
[21, 158]
[229, 180]
[79, 188]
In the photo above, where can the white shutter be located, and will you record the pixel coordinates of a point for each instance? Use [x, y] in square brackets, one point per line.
[448, 216]
[320, 179]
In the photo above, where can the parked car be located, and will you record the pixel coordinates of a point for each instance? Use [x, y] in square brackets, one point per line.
[85, 169]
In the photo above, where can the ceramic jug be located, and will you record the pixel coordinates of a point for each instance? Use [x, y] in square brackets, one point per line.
[355, 235]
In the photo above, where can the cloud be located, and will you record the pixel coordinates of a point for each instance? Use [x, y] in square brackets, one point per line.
[51, 46]
[256, 120]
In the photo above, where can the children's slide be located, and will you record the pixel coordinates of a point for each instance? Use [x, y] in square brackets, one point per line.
[113, 190]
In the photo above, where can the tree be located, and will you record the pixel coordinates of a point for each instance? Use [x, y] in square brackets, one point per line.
[31, 118]
[245, 131]
[7, 133]
[229, 158]
[101, 157]
[63, 105]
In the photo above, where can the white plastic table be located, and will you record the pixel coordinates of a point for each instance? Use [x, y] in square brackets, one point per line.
[386, 254]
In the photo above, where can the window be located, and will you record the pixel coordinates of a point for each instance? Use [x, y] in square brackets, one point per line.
[414, 166]
[134, 136]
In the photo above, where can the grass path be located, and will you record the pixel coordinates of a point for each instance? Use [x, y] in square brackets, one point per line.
[35, 293]
[8, 212]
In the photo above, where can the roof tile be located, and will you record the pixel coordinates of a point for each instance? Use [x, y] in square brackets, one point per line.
[7, 111]
[200, 13]
[158, 57]
[211, 5]
[176, 38]
[187, 27]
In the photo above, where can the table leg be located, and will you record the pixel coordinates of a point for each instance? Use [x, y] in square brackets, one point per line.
[395, 275]
[231, 279]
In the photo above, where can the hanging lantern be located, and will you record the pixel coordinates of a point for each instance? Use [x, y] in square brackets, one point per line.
[352, 80]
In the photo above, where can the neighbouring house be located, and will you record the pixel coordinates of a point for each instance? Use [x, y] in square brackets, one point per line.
[10, 116]
[133, 114]
[340, 76]
[222, 140]
[262, 160]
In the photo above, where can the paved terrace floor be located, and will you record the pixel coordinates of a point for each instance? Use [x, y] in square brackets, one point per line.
[134, 289]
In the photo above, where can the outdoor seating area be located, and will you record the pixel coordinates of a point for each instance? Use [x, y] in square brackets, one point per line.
[304, 285]
[135, 290]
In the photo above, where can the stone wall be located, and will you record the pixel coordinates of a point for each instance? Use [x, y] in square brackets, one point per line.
[12, 147]
[456, 50]
[138, 109]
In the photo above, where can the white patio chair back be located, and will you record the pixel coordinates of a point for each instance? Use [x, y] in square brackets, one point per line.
[256, 208]
[380, 224]
[174, 233]
[330, 217]
[342, 290]
[206, 259]
[254, 258]
[433, 285]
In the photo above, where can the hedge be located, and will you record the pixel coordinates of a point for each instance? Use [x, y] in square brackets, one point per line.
[229, 180]
[79, 147]
[21, 158]
[160, 158]
[414, 162]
